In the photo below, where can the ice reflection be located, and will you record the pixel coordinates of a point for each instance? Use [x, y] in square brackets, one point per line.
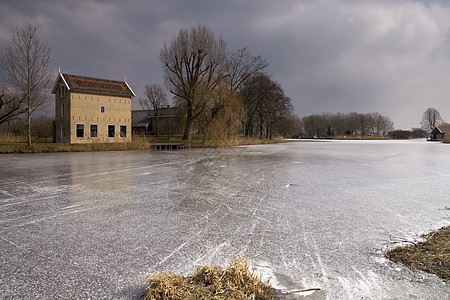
[95, 177]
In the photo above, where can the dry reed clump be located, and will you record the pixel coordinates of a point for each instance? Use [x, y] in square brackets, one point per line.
[432, 255]
[236, 281]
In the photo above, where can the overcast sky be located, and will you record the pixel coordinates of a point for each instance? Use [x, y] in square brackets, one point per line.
[386, 56]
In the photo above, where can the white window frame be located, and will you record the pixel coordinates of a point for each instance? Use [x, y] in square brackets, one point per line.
[76, 131]
[102, 109]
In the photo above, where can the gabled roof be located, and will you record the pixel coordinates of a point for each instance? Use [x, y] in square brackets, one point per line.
[77, 83]
[140, 118]
[444, 128]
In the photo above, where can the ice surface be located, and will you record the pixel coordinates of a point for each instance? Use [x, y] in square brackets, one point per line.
[91, 225]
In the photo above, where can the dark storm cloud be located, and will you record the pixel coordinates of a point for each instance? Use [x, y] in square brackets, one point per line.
[387, 56]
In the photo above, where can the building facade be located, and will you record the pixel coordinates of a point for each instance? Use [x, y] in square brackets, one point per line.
[92, 110]
[169, 121]
[439, 132]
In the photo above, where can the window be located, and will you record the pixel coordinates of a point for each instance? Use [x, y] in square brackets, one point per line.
[102, 109]
[80, 131]
[62, 91]
[123, 131]
[94, 131]
[111, 131]
[63, 131]
[62, 110]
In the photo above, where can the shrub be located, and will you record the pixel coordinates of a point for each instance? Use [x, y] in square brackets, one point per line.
[446, 138]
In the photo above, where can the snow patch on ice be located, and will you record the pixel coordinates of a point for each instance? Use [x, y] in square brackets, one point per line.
[265, 273]
[364, 285]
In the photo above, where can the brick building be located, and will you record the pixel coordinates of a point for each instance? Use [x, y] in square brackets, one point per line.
[91, 110]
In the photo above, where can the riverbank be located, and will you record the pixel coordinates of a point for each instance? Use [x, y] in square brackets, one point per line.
[138, 143]
[431, 256]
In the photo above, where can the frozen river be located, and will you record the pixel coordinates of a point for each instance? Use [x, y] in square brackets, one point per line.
[91, 225]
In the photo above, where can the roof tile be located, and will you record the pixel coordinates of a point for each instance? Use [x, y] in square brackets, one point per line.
[97, 85]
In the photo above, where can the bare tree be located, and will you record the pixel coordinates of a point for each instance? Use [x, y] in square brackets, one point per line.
[240, 65]
[192, 66]
[26, 61]
[266, 105]
[290, 127]
[222, 118]
[156, 98]
[430, 119]
[255, 91]
[11, 105]
[385, 125]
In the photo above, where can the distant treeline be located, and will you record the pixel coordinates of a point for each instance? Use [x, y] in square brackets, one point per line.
[327, 125]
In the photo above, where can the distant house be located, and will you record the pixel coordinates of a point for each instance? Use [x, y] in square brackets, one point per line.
[439, 132]
[169, 121]
[91, 109]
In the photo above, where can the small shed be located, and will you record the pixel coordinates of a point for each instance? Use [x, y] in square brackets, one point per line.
[439, 132]
[169, 121]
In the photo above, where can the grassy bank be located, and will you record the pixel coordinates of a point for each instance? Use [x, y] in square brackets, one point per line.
[13, 144]
[44, 147]
[197, 141]
[432, 255]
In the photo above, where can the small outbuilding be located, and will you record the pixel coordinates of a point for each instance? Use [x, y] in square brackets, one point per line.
[169, 121]
[439, 132]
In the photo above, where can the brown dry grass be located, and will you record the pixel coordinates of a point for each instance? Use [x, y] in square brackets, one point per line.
[18, 144]
[197, 141]
[446, 138]
[236, 281]
[8, 146]
[432, 256]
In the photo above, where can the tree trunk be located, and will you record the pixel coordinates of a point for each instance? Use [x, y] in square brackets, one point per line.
[156, 122]
[188, 129]
[29, 109]
[189, 122]
[29, 126]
